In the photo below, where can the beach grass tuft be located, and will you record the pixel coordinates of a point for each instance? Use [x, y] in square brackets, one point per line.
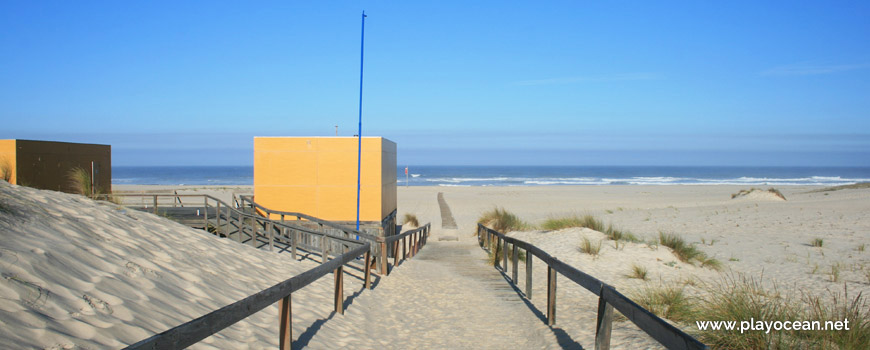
[687, 252]
[737, 297]
[639, 272]
[495, 254]
[670, 302]
[502, 221]
[411, 219]
[80, 181]
[5, 170]
[586, 246]
[592, 223]
[817, 242]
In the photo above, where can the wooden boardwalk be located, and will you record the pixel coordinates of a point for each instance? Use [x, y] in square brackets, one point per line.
[447, 297]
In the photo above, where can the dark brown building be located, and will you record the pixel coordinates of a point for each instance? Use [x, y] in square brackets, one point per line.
[47, 164]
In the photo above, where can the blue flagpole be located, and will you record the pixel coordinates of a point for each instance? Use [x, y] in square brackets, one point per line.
[359, 133]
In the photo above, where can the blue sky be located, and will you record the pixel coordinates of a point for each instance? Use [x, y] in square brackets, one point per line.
[452, 82]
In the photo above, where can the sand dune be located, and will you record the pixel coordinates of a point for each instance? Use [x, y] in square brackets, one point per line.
[92, 275]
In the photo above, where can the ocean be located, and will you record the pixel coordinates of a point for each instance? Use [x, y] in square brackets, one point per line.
[526, 175]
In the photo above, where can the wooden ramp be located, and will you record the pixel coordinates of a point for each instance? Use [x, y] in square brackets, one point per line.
[447, 297]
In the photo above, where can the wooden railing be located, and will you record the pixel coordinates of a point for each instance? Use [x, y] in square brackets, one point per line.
[410, 241]
[193, 331]
[608, 298]
[378, 243]
[222, 219]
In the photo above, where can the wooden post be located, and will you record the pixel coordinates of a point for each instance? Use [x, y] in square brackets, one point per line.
[528, 275]
[404, 252]
[241, 224]
[604, 323]
[271, 235]
[495, 251]
[339, 290]
[253, 231]
[395, 253]
[294, 241]
[285, 330]
[504, 256]
[324, 256]
[367, 267]
[155, 204]
[515, 258]
[551, 296]
[205, 212]
[385, 271]
[218, 219]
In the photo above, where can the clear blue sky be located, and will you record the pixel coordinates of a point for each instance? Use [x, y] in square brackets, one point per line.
[452, 82]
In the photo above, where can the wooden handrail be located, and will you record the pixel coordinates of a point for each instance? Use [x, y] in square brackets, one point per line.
[660, 330]
[268, 211]
[234, 211]
[189, 333]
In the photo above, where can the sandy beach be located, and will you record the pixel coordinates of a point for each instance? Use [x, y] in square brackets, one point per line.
[85, 274]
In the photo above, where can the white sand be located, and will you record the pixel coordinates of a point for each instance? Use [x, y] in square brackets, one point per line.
[98, 276]
[85, 275]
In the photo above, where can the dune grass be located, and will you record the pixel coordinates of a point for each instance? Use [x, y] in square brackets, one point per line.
[496, 254]
[857, 186]
[638, 272]
[80, 181]
[502, 221]
[5, 170]
[817, 242]
[586, 246]
[411, 219]
[736, 297]
[592, 223]
[686, 252]
[669, 302]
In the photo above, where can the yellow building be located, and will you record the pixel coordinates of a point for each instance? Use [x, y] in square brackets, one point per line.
[317, 176]
[47, 164]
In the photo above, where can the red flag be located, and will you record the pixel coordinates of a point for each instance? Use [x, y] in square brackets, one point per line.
[406, 170]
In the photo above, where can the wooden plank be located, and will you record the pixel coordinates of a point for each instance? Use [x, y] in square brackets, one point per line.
[551, 296]
[339, 290]
[395, 253]
[404, 252]
[286, 329]
[604, 323]
[529, 270]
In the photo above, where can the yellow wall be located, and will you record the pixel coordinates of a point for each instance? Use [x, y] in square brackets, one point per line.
[7, 159]
[318, 176]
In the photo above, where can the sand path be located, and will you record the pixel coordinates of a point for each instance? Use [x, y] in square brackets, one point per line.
[445, 297]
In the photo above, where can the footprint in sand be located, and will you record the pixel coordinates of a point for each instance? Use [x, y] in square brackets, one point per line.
[97, 304]
[136, 270]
